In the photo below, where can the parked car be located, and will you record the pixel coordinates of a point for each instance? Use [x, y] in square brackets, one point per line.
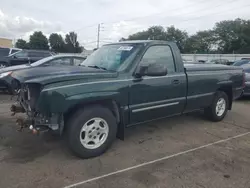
[219, 61]
[201, 61]
[121, 85]
[8, 51]
[241, 62]
[24, 57]
[7, 81]
[246, 69]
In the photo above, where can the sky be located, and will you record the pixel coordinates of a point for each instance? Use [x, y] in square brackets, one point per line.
[119, 18]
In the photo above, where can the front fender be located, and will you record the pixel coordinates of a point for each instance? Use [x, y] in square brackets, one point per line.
[55, 102]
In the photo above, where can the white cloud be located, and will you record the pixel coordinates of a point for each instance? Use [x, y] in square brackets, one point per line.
[19, 18]
[22, 27]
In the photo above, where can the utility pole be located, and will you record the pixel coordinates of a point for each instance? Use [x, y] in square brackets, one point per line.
[98, 35]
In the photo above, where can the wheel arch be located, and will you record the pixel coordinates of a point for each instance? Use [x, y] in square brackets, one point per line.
[111, 104]
[228, 89]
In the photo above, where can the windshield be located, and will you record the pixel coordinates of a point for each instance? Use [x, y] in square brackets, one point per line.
[42, 61]
[241, 62]
[112, 57]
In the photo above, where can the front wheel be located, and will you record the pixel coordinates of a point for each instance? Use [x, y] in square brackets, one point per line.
[91, 131]
[219, 107]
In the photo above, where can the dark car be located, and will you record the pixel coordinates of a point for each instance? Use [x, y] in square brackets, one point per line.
[241, 62]
[4, 52]
[24, 57]
[246, 69]
[219, 61]
[7, 82]
[121, 85]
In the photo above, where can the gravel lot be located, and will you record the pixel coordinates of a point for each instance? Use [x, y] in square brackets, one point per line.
[44, 161]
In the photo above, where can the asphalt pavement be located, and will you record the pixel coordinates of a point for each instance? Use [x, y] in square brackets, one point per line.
[186, 151]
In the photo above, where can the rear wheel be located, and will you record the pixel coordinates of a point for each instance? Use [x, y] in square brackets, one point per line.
[91, 131]
[219, 107]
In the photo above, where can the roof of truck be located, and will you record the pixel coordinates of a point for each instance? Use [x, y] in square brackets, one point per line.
[141, 41]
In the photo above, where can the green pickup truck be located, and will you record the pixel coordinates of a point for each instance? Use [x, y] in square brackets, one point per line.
[121, 85]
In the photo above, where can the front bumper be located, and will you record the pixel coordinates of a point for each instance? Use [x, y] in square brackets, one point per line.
[246, 91]
[35, 120]
[4, 84]
[9, 83]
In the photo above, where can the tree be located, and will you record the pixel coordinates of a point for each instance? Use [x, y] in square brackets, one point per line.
[72, 45]
[233, 36]
[20, 43]
[178, 36]
[152, 33]
[57, 43]
[201, 42]
[38, 41]
[159, 33]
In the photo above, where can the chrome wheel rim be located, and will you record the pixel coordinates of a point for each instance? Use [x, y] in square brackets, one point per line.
[94, 133]
[220, 107]
[2, 66]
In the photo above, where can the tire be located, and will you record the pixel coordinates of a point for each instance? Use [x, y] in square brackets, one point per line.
[218, 115]
[94, 116]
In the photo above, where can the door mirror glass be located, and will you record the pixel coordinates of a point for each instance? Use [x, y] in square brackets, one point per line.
[152, 70]
[156, 70]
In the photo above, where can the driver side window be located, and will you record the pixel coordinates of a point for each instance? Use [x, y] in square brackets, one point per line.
[21, 54]
[159, 54]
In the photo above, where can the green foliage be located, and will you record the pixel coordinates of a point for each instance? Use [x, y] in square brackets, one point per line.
[20, 43]
[178, 36]
[229, 36]
[201, 42]
[233, 36]
[38, 41]
[72, 45]
[57, 43]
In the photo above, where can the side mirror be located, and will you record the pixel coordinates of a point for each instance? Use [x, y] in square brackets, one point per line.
[152, 70]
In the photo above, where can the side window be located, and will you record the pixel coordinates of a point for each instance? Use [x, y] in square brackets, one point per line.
[21, 54]
[14, 51]
[35, 54]
[46, 54]
[77, 61]
[159, 55]
[61, 61]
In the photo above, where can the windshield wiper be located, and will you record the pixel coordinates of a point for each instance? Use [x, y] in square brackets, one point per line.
[97, 67]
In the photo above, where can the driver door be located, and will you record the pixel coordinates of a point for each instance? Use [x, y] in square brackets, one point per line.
[156, 97]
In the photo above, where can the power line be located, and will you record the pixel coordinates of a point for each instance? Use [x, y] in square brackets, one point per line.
[141, 17]
[211, 13]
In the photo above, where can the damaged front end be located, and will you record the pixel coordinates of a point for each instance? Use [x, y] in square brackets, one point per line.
[35, 120]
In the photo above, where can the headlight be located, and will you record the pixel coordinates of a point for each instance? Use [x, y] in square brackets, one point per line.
[5, 74]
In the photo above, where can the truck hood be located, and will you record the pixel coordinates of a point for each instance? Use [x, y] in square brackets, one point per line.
[14, 68]
[46, 75]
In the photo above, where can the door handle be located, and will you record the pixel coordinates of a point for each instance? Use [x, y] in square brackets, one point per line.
[175, 82]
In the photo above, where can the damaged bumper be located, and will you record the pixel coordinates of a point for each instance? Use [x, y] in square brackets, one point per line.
[35, 121]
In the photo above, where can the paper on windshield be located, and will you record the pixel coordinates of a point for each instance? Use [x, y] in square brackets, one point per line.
[125, 48]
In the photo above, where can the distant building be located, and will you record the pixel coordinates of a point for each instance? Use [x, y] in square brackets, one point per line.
[6, 43]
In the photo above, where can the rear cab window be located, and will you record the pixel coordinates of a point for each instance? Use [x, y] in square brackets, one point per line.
[159, 54]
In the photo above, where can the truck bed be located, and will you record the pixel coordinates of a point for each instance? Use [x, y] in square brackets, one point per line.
[209, 67]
